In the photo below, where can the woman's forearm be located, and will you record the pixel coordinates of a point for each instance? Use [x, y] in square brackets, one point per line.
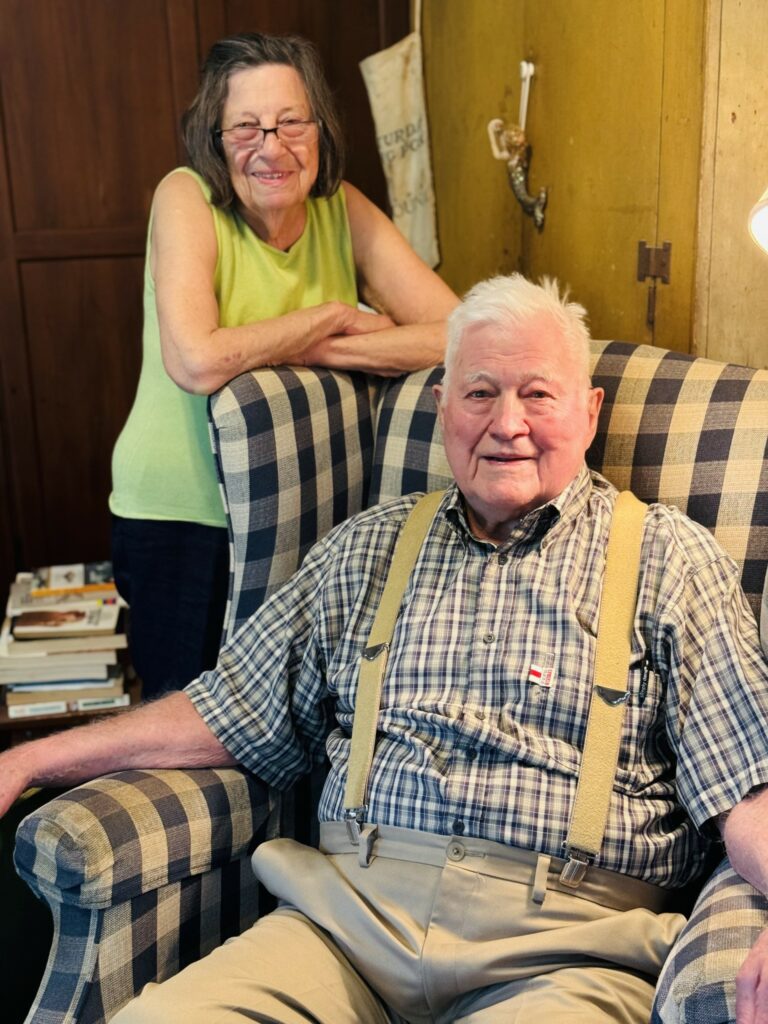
[202, 361]
[389, 352]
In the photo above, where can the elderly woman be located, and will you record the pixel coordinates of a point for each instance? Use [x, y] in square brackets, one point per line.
[257, 255]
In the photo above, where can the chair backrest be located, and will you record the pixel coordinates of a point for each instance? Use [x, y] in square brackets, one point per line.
[293, 451]
[299, 450]
[682, 430]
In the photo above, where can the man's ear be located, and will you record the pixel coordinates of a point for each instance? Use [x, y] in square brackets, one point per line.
[594, 405]
[437, 391]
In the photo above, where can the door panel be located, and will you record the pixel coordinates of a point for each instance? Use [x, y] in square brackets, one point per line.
[91, 126]
[594, 125]
[83, 322]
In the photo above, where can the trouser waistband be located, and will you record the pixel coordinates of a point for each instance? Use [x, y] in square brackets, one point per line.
[540, 871]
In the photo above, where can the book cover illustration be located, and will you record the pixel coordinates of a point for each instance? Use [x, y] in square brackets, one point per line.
[88, 577]
[94, 620]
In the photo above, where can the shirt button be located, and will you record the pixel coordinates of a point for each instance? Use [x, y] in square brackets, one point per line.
[471, 754]
[458, 828]
[455, 850]
[503, 559]
[480, 715]
[489, 638]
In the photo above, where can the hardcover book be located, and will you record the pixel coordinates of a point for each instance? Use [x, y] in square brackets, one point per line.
[86, 620]
[88, 577]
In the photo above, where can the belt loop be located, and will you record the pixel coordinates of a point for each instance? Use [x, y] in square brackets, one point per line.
[368, 835]
[540, 878]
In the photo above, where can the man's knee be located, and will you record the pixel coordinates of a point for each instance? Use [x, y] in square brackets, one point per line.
[282, 968]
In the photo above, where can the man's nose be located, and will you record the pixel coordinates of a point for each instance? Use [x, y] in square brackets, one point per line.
[508, 417]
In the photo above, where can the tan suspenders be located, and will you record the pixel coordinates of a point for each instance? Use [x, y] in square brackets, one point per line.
[609, 691]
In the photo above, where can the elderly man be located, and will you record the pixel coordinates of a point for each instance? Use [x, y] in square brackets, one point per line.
[449, 902]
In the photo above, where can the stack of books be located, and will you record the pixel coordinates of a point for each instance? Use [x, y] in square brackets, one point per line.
[59, 642]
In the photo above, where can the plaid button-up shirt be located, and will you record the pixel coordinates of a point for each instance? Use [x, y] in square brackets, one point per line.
[485, 700]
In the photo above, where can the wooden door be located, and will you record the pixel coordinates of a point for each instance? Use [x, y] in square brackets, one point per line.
[91, 96]
[614, 120]
[615, 124]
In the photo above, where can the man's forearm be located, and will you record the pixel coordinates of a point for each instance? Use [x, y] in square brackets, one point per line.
[168, 733]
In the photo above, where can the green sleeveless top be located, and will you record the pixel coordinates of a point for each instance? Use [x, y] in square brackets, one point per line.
[162, 465]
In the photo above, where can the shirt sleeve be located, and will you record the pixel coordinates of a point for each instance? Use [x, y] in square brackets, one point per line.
[716, 676]
[265, 700]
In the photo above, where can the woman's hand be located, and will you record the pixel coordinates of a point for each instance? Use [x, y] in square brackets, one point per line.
[347, 321]
[360, 321]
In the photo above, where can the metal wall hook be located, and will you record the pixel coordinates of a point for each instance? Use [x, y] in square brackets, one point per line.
[508, 142]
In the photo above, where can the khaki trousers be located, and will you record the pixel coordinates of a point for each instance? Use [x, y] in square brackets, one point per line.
[435, 930]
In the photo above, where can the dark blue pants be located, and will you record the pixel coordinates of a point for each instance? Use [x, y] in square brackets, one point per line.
[174, 576]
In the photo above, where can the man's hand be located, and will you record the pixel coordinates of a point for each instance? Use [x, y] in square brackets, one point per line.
[745, 831]
[13, 779]
[752, 984]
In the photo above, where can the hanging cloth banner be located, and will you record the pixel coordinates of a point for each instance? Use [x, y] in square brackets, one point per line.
[394, 80]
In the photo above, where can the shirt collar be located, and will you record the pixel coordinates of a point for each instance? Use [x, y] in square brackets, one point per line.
[538, 525]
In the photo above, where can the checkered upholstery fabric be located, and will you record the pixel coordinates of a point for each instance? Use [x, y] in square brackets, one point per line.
[697, 983]
[293, 448]
[142, 871]
[692, 433]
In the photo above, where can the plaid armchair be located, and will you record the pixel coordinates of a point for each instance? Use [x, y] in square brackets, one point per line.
[146, 871]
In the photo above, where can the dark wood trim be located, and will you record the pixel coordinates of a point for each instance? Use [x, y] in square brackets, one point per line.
[24, 508]
[80, 243]
[211, 24]
[185, 60]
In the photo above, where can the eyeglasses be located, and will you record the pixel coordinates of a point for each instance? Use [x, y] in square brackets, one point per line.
[253, 135]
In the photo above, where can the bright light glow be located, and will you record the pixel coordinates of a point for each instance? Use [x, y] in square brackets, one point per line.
[758, 221]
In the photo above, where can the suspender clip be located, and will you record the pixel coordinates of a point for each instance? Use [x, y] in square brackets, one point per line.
[353, 819]
[372, 653]
[575, 867]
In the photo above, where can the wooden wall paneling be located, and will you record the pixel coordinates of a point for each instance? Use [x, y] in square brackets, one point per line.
[83, 322]
[21, 518]
[8, 534]
[679, 160]
[99, 87]
[471, 60]
[185, 57]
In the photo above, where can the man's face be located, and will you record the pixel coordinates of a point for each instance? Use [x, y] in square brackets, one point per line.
[517, 416]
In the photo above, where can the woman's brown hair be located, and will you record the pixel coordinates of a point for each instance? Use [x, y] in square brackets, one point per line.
[203, 117]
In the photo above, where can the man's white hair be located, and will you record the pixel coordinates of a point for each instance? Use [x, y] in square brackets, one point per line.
[512, 302]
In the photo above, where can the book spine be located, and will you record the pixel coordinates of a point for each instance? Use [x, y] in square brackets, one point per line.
[100, 703]
[51, 707]
[85, 588]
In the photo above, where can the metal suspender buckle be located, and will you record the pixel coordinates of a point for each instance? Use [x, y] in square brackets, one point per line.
[353, 819]
[575, 867]
[372, 653]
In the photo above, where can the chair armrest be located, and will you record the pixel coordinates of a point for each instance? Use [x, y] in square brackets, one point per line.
[698, 981]
[125, 834]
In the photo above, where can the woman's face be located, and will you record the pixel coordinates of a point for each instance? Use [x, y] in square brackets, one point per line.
[277, 177]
